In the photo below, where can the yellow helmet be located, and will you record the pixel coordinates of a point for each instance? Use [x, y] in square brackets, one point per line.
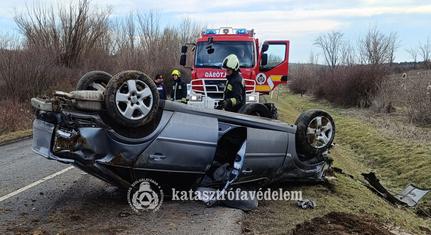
[231, 62]
[176, 72]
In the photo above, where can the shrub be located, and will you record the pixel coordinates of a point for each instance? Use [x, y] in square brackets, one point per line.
[346, 85]
[418, 99]
[302, 78]
[14, 116]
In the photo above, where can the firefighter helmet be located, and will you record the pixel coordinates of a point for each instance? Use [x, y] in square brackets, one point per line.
[176, 72]
[231, 62]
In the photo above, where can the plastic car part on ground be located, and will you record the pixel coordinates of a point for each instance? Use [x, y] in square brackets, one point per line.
[306, 204]
[410, 196]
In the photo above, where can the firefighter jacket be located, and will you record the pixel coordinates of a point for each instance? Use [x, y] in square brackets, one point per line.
[179, 91]
[234, 93]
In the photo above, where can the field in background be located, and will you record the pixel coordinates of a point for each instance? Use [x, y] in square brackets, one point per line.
[376, 87]
[361, 146]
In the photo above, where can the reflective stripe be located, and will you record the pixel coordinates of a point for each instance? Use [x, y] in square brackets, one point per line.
[229, 87]
[233, 100]
[160, 88]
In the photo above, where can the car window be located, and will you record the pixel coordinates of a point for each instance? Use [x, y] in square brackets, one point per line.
[276, 55]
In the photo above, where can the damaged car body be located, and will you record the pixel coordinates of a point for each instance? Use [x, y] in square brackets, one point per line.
[117, 129]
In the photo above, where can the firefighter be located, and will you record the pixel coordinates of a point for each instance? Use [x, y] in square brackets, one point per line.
[158, 80]
[234, 93]
[179, 88]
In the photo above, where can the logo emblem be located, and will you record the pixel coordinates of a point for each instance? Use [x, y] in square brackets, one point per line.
[260, 78]
[145, 195]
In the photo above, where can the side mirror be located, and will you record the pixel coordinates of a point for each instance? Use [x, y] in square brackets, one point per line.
[264, 59]
[184, 49]
[183, 60]
[264, 47]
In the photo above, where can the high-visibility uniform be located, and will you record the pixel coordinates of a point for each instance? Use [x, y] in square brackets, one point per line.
[234, 93]
[179, 91]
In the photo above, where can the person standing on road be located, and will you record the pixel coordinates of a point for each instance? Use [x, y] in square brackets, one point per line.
[158, 80]
[179, 88]
[234, 93]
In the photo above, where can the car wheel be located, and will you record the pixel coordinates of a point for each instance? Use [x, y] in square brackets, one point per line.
[255, 109]
[131, 98]
[94, 80]
[315, 133]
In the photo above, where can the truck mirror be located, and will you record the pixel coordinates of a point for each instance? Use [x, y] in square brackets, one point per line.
[265, 47]
[184, 49]
[264, 60]
[183, 60]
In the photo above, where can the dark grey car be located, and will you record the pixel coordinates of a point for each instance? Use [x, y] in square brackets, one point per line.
[118, 130]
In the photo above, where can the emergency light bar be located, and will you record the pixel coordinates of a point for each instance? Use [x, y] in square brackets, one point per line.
[228, 30]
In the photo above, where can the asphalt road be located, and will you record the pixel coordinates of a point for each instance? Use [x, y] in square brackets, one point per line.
[42, 196]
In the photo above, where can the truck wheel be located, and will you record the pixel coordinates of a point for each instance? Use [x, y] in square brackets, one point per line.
[315, 133]
[255, 109]
[94, 80]
[131, 98]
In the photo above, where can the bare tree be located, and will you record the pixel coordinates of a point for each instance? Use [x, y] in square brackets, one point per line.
[348, 54]
[425, 52]
[69, 32]
[378, 48]
[413, 52]
[189, 30]
[331, 44]
[393, 46]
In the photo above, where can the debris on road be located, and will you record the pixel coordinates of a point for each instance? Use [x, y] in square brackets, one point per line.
[410, 196]
[306, 204]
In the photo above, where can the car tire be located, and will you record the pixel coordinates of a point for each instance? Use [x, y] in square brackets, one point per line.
[314, 134]
[255, 109]
[131, 98]
[94, 80]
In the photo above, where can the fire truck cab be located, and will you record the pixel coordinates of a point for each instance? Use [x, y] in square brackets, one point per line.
[262, 66]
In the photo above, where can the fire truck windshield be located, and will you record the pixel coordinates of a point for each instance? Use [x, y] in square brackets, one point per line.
[220, 49]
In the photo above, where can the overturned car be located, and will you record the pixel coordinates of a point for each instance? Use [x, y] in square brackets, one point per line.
[117, 129]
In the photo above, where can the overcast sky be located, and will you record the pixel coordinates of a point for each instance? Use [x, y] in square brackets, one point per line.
[299, 21]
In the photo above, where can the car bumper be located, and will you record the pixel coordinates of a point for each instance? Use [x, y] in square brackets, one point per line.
[43, 134]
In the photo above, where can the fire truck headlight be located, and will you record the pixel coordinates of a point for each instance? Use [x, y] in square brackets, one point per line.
[251, 98]
[196, 98]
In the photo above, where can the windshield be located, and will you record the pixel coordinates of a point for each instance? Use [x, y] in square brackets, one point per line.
[244, 51]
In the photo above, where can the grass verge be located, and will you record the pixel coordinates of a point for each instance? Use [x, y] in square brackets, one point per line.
[13, 136]
[361, 147]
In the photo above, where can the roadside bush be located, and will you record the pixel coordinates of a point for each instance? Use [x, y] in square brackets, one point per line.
[61, 44]
[345, 85]
[409, 92]
[22, 76]
[302, 78]
[387, 96]
[351, 85]
[418, 100]
[14, 116]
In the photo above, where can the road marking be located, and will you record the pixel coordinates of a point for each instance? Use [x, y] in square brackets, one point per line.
[34, 184]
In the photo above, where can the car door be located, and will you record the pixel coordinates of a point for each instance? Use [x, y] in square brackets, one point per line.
[182, 152]
[274, 65]
[265, 154]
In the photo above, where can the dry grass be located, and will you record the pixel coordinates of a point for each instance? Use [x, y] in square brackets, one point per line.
[409, 93]
[14, 116]
[361, 147]
[13, 136]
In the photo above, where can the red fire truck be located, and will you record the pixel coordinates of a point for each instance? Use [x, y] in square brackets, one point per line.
[263, 67]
